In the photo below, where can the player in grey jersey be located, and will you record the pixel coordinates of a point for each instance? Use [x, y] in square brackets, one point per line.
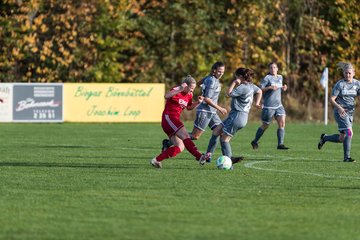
[206, 114]
[343, 100]
[242, 92]
[272, 86]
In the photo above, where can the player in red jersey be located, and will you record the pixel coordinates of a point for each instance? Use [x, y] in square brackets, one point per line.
[177, 99]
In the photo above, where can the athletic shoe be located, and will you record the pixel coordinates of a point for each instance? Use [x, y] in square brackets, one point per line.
[237, 159]
[165, 144]
[349, 160]
[204, 158]
[254, 145]
[282, 147]
[322, 141]
[155, 163]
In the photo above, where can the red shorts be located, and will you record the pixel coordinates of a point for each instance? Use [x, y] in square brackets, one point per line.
[170, 124]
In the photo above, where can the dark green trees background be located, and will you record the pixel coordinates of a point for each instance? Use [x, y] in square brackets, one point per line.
[162, 41]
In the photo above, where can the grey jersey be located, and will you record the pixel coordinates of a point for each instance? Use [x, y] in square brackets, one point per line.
[211, 88]
[345, 94]
[272, 98]
[243, 96]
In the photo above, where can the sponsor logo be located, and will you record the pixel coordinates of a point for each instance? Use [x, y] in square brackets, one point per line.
[183, 103]
[30, 103]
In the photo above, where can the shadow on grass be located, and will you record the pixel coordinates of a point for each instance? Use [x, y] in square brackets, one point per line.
[106, 157]
[141, 165]
[139, 148]
[69, 146]
[69, 165]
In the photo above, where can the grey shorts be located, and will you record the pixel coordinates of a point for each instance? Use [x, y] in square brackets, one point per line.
[234, 122]
[268, 114]
[204, 119]
[343, 123]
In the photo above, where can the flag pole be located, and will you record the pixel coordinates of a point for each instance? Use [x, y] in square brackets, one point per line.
[326, 101]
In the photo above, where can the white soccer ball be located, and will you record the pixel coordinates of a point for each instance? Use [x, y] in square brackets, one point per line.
[224, 162]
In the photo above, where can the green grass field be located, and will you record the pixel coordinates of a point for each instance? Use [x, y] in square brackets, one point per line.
[94, 181]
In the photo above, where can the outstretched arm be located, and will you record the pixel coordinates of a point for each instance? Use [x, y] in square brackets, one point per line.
[217, 107]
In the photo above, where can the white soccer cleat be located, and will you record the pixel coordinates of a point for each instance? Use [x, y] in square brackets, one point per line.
[155, 163]
[204, 157]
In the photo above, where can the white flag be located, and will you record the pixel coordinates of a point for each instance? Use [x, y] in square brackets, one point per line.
[324, 78]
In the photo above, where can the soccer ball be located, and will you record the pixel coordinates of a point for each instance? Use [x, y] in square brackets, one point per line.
[224, 162]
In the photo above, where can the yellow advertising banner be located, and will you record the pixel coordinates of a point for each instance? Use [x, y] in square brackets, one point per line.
[117, 102]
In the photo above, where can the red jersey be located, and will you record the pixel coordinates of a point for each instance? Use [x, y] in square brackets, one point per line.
[176, 104]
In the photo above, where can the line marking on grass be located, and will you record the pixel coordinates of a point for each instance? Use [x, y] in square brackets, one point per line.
[252, 166]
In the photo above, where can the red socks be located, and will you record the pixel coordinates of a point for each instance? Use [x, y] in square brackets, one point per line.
[168, 153]
[174, 150]
[190, 146]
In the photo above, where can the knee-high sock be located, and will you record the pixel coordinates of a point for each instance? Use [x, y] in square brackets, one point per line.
[190, 146]
[258, 134]
[280, 135]
[347, 144]
[212, 144]
[332, 138]
[168, 153]
[226, 149]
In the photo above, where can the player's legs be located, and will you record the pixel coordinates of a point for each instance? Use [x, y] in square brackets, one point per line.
[347, 137]
[200, 123]
[266, 117]
[214, 139]
[281, 131]
[181, 140]
[171, 126]
[344, 137]
[259, 132]
[173, 150]
[225, 145]
[196, 133]
[336, 138]
[344, 123]
[235, 122]
[216, 125]
[188, 143]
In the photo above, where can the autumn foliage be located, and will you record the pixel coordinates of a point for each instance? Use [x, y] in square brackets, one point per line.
[162, 41]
